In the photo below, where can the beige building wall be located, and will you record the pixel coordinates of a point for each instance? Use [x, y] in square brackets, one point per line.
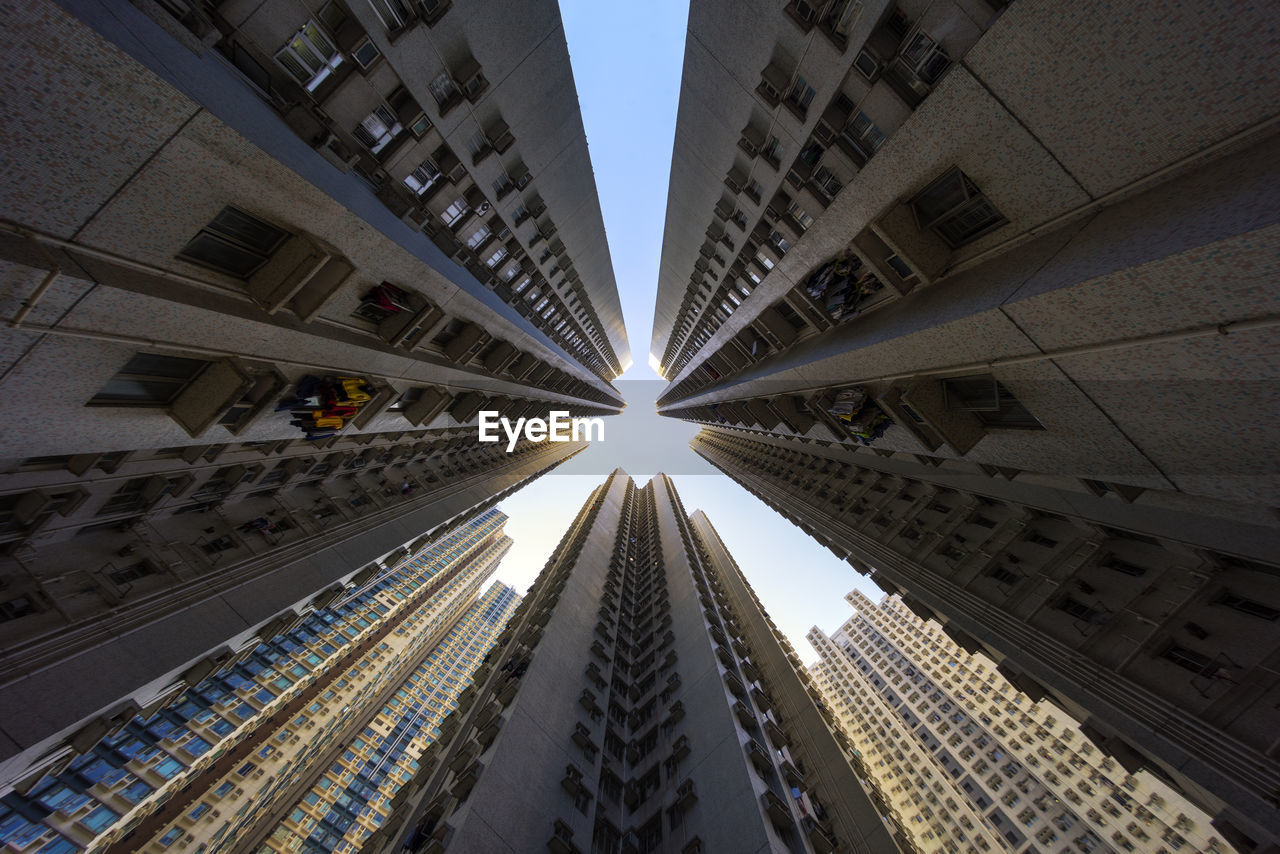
[1128, 619]
[951, 742]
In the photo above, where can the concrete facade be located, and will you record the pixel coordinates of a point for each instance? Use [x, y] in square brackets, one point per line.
[261, 726]
[961, 754]
[628, 706]
[185, 259]
[1113, 282]
[1130, 619]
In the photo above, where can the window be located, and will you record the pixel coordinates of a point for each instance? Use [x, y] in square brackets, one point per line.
[798, 214]
[99, 819]
[1247, 606]
[170, 837]
[480, 236]
[124, 575]
[443, 90]
[393, 13]
[478, 144]
[148, 379]
[956, 210]
[421, 179]
[863, 135]
[841, 16]
[1004, 576]
[801, 94]
[497, 257]
[454, 214]
[1081, 611]
[378, 128]
[19, 606]
[1124, 567]
[310, 56]
[988, 399]
[925, 58]
[827, 182]
[365, 53]
[234, 243]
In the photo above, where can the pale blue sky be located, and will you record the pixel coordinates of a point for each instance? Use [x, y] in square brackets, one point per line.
[627, 60]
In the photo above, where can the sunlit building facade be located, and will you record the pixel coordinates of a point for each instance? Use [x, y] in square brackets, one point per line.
[253, 733]
[385, 755]
[1125, 620]
[966, 760]
[639, 700]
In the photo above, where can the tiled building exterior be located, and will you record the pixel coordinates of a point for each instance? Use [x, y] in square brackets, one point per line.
[982, 222]
[961, 754]
[950, 286]
[638, 700]
[396, 738]
[257, 730]
[213, 211]
[1155, 635]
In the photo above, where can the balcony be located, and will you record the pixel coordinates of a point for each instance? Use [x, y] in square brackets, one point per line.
[466, 781]
[561, 841]
[680, 749]
[821, 840]
[759, 756]
[778, 811]
[777, 736]
[464, 757]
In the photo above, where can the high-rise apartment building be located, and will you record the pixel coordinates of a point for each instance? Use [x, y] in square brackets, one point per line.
[962, 754]
[898, 225]
[385, 756]
[339, 704]
[1013, 359]
[639, 700]
[263, 265]
[1160, 642]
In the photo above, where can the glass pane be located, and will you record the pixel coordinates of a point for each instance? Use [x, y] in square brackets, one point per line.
[940, 198]
[212, 251]
[295, 67]
[303, 49]
[319, 39]
[124, 389]
[154, 365]
[366, 53]
[250, 231]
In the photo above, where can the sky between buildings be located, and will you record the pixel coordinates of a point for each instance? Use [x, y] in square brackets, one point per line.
[627, 59]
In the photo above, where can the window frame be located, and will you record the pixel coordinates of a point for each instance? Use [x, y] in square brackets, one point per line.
[968, 200]
[223, 230]
[311, 77]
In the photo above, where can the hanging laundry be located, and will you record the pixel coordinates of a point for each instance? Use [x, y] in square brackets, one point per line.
[865, 420]
[330, 403]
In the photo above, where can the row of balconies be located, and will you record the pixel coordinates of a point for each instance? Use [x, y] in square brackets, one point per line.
[886, 84]
[405, 182]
